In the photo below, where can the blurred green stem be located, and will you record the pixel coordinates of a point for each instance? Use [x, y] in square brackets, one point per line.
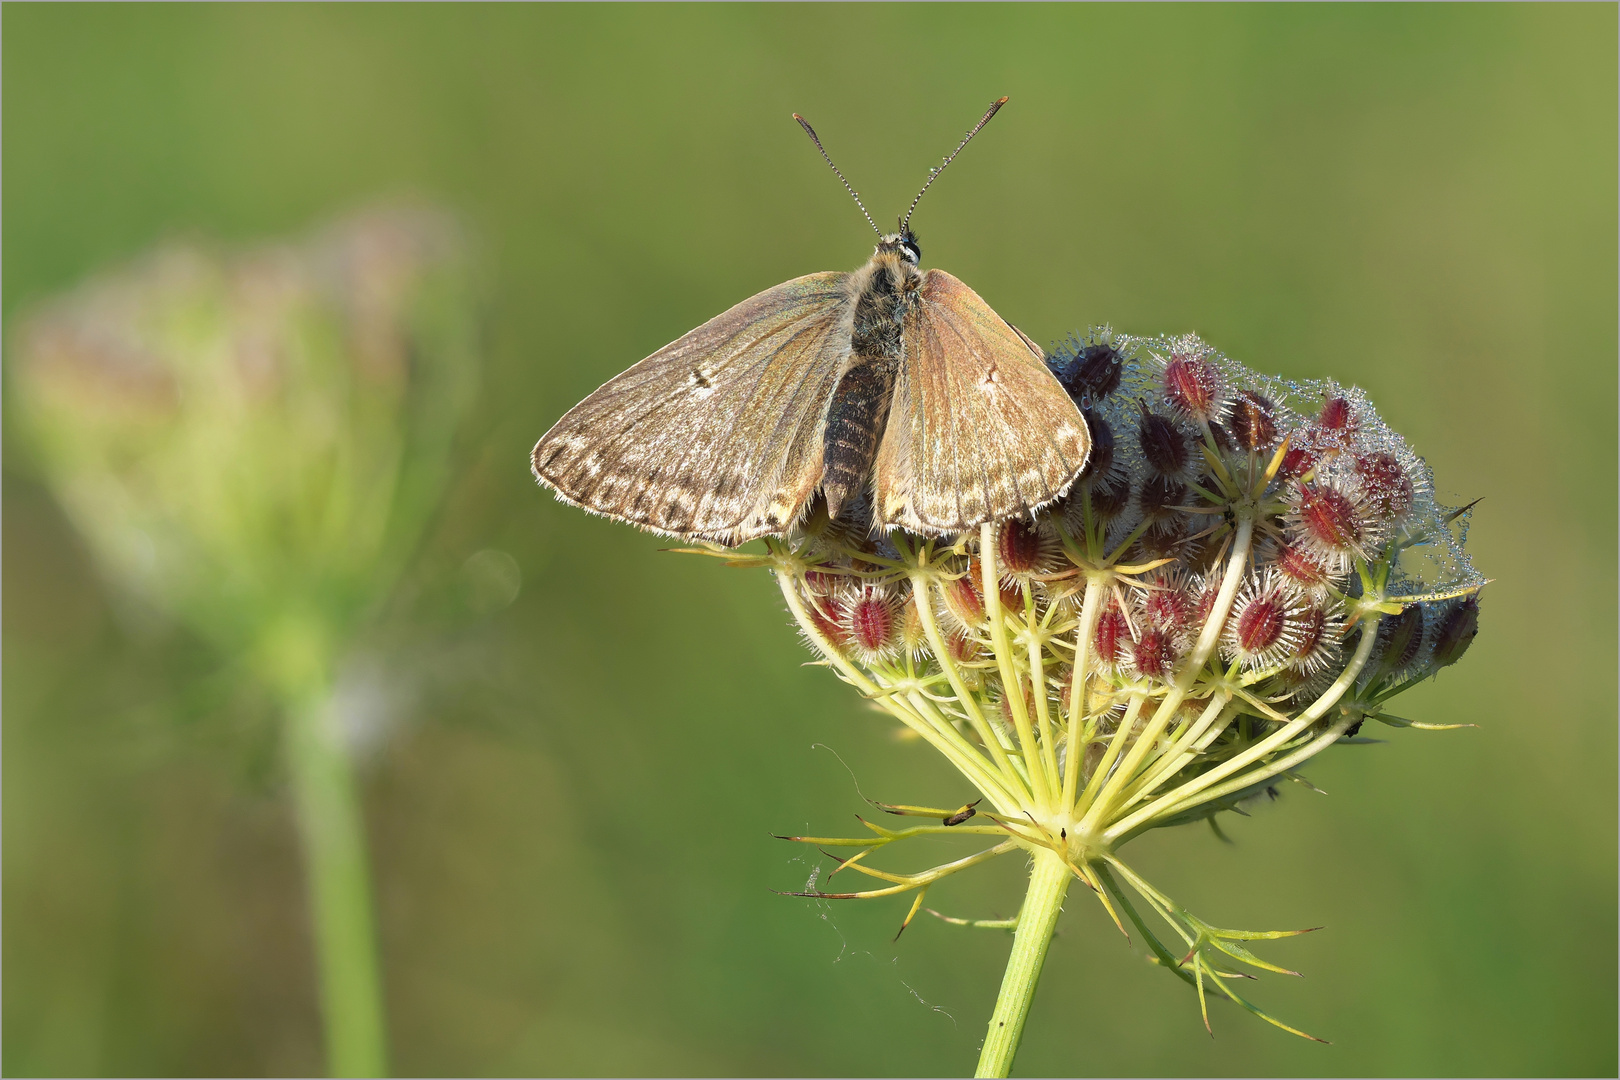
[333, 833]
[1048, 884]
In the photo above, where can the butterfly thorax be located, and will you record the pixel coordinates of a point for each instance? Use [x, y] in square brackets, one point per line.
[883, 290]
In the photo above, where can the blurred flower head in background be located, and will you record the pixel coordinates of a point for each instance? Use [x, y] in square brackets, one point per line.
[253, 444]
[244, 437]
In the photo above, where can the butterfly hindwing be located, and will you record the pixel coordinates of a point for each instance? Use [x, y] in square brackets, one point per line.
[718, 435]
[979, 429]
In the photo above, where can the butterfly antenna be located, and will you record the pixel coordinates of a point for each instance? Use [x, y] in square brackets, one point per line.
[933, 174]
[810, 131]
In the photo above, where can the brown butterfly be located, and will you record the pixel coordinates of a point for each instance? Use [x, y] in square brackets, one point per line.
[891, 392]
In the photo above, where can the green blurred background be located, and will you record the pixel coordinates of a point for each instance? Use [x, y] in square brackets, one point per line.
[571, 818]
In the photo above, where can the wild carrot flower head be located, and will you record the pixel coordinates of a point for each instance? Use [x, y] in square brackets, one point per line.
[1247, 570]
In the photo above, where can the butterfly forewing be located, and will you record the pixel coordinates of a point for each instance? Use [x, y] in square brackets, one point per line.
[718, 435]
[979, 429]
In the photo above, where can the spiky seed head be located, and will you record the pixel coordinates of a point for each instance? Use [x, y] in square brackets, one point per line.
[1165, 447]
[1316, 647]
[1263, 629]
[1112, 638]
[1171, 605]
[871, 619]
[1092, 373]
[964, 604]
[913, 635]
[1110, 497]
[1159, 498]
[1027, 547]
[1400, 642]
[1455, 631]
[1297, 461]
[1337, 415]
[1300, 568]
[1101, 461]
[1332, 524]
[1385, 484]
[1192, 387]
[1154, 654]
[1252, 422]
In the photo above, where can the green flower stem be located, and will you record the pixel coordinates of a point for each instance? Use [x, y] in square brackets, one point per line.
[332, 829]
[1048, 884]
[1090, 610]
[987, 735]
[990, 583]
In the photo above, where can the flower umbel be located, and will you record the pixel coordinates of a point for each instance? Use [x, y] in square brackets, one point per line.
[1248, 571]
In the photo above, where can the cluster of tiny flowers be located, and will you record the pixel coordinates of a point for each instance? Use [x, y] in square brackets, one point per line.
[1269, 522]
[1245, 572]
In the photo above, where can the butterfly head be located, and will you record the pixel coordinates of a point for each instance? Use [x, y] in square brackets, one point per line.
[902, 244]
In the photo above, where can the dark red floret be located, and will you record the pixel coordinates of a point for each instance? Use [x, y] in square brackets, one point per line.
[1337, 416]
[1328, 515]
[1113, 634]
[1192, 385]
[1154, 654]
[1018, 547]
[1260, 625]
[872, 621]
